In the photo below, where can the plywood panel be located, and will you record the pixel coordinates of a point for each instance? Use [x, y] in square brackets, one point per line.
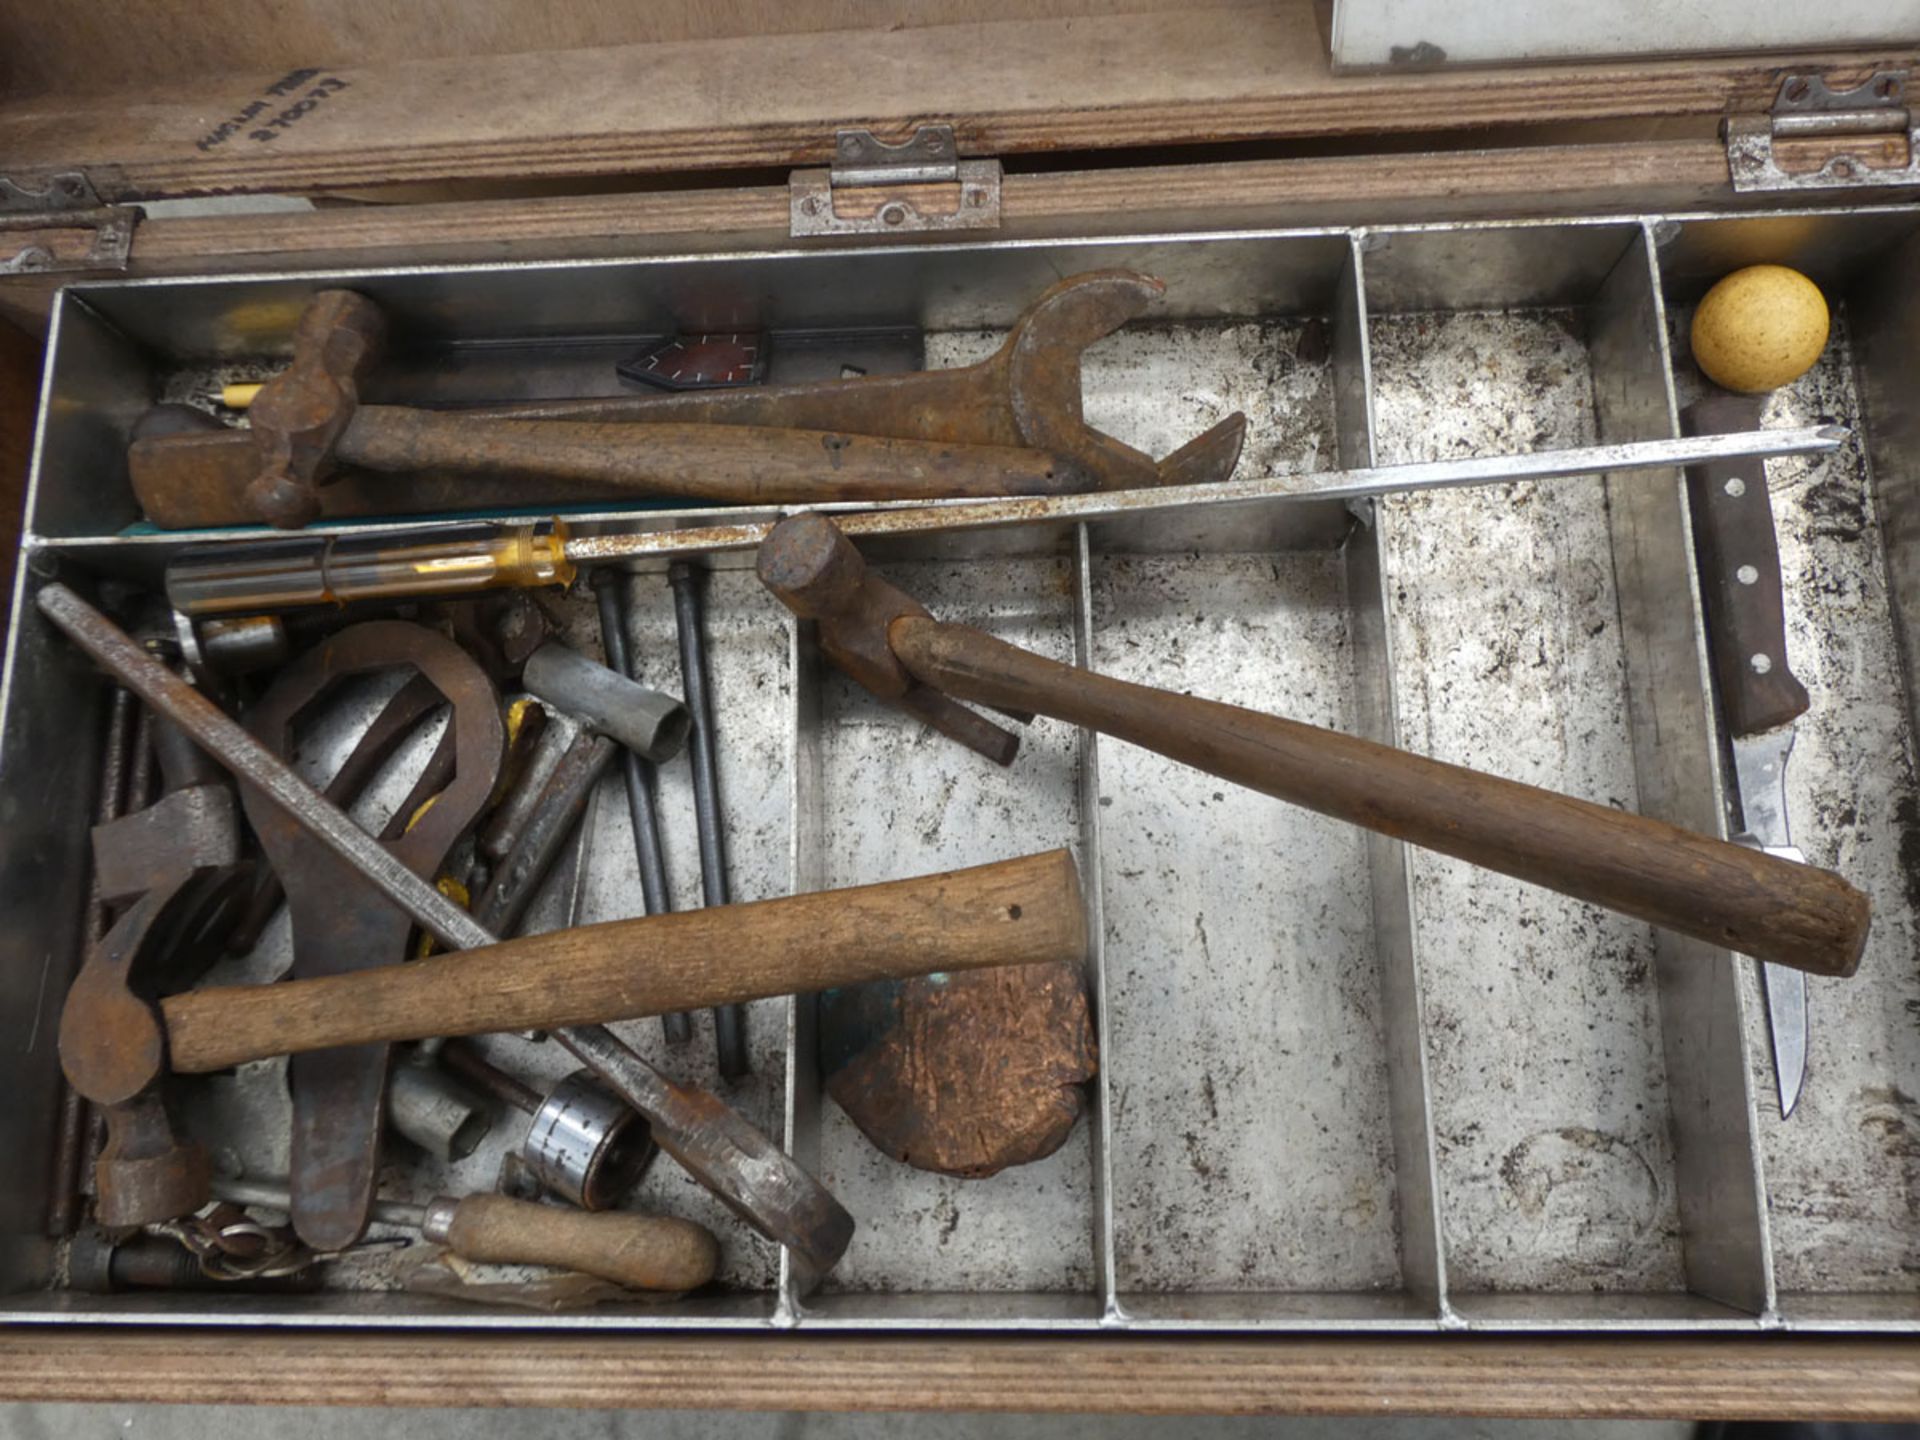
[1099, 82]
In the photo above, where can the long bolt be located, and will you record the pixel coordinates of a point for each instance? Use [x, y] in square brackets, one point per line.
[729, 1021]
[639, 776]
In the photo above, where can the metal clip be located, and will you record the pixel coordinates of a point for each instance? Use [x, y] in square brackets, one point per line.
[827, 202]
[1875, 112]
[68, 201]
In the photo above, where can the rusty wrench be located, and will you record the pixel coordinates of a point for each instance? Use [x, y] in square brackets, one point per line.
[342, 924]
[1026, 393]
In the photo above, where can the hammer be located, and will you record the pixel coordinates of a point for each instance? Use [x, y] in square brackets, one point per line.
[1011, 425]
[1727, 895]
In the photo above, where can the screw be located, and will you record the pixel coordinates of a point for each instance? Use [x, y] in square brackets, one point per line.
[811, 205]
[894, 215]
[1797, 88]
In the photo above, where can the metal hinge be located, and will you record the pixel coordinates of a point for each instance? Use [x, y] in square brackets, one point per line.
[66, 202]
[1871, 121]
[857, 195]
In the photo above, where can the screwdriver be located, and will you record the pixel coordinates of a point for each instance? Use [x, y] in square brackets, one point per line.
[640, 1252]
[266, 576]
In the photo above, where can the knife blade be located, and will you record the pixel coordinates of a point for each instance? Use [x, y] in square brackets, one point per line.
[1738, 555]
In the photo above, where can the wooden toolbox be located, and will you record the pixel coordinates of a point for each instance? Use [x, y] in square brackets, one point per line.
[1373, 1130]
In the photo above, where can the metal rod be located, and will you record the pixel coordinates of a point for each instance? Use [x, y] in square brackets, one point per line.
[639, 776]
[109, 804]
[272, 1195]
[1357, 484]
[729, 1021]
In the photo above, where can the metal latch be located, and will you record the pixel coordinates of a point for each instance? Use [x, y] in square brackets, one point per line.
[1872, 121]
[861, 193]
[67, 202]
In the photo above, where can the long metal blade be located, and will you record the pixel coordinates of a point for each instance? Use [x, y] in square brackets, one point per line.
[1787, 1021]
[1760, 772]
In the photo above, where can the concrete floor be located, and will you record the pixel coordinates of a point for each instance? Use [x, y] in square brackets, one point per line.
[208, 1422]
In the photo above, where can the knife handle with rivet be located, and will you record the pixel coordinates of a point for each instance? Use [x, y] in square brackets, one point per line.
[1740, 581]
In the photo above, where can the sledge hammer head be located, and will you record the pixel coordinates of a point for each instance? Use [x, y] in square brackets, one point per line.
[301, 413]
[815, 572]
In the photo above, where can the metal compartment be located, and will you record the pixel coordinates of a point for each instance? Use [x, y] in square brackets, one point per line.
[1343, 1086]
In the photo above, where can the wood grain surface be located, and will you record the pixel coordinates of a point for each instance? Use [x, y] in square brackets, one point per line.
[1721, 893]
[1754, 1377]
[1532, 180]
[91, 44]
[641, 1252]
[1013, 912]
[1179, 76]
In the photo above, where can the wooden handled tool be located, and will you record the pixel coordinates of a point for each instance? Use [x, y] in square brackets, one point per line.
[1014, 912]
[1728, 895]
[641, 1252]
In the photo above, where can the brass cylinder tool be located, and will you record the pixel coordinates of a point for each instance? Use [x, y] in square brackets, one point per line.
[641, 1252]
[1723, 894]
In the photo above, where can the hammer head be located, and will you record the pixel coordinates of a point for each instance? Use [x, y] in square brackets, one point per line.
[815, 572]
[300, 413]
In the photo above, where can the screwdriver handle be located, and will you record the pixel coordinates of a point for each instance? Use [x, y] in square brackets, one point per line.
[640, 1252]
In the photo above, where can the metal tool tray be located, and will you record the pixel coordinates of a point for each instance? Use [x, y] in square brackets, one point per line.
[1344, 1087]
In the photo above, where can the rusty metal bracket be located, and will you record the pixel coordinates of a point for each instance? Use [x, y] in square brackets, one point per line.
[1872, 119]
[863, 193]
[68, 201]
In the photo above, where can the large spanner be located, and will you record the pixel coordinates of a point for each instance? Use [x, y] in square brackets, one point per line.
[1027, 393]
[340, 923]
[1024, 399]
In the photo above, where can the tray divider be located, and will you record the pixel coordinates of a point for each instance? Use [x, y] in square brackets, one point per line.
[1703, 1011]
[1409, 1097]
[806, 873]
[1092, 883]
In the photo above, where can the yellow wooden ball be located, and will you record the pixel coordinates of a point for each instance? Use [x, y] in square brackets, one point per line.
[1760, 328]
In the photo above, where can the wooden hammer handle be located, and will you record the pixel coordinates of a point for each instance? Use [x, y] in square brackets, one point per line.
[1014, 912]
[1725, 894]
[641, 1252]
[735, 464]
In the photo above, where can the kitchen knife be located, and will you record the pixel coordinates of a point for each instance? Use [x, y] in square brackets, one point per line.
[1760, 699]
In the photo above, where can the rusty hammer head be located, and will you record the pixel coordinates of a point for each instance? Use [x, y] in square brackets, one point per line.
[178, 861]
[1039, 366]
[300, 414]
[815, 572]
